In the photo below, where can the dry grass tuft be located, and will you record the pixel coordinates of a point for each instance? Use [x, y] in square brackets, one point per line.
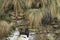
[4, 29]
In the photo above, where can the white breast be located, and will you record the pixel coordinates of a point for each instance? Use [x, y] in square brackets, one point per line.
[23, 37]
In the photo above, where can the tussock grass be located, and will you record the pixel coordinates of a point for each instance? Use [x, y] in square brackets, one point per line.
[4, 29]
[35, 16]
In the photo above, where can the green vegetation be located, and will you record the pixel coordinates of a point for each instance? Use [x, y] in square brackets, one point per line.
[6, 18]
